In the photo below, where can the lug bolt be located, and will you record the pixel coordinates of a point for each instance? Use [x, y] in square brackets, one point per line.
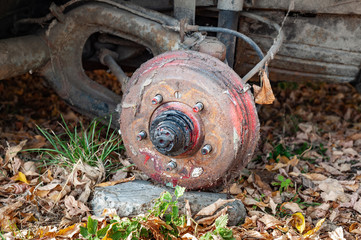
[157, 99]
[170, 166]
[206, 149]
[141, 135]
[198, 107]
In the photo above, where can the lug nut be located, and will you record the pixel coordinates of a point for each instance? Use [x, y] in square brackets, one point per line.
[198, 107]
[206, 149]
[170, 166]
[157, 99]
[141, 135]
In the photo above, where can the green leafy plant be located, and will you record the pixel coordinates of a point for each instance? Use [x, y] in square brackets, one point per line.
[90, 231]
[166, 202]
[220, 231]
[280, 150]
[116, 229]
[305, 147]
[92, 145]
[283, 183]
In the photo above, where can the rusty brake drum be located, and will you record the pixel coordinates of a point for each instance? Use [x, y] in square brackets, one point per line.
[187, 119]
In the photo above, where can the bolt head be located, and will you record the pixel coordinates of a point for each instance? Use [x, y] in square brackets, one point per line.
[157, 99]
[170, 166]
[198, 107]
[141, 135]
[206, 149]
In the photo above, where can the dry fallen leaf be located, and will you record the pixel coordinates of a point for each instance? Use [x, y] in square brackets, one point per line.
[211, 209]
[337, 234]
[357, 206]
[355, 228]
[11, 152]
[74, 207]
[332, 190]
[209, 220]
[250, 222]
[188, 213]
[70, 231]
[273, 206]
[294, 207]
[188, 236]
[264, 94]
[29, 169]
[299, 222]
[154, 224]
[315, 229]
[315, 176]
[112, 183]
[20, 177]
[251, 202]
[85, 194]
[261, 184]
[270, 221]
[252, 234]
[355, 136]
[234, 189]
[276, 166]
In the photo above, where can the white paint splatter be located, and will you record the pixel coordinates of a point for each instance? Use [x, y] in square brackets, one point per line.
[197, 172]
[230, 97]
[236, 141]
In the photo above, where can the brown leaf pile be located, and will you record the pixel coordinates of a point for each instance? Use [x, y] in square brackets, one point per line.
[323, 120]
[32, 196]
[326, 180]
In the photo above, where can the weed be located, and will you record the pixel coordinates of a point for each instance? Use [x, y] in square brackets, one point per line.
[284, 183]
[300, 150]
[305, 147]
[220, 231]
[280, 150]
[260, 198]
[299, 201]
[92, 145]
[304, 205]
[166, 208]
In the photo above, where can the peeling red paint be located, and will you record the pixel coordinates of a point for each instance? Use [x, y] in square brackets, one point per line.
[146, 159]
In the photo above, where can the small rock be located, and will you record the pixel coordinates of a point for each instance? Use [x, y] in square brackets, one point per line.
[134, 198]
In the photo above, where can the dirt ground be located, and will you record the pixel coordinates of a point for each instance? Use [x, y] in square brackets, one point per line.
[308, 161]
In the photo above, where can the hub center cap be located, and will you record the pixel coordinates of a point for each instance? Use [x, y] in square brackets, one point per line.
[171, 133]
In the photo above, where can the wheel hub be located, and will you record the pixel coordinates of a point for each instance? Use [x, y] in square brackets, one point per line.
[197, 126]
[174, 129]
[171, 132]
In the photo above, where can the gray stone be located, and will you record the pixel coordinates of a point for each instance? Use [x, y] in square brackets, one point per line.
[133, 198]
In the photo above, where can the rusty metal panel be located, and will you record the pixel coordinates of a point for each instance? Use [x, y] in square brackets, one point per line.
[22, 54]
[309, 6]
[322, 48]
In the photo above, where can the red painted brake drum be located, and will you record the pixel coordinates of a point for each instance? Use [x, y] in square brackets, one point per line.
[201, 127]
